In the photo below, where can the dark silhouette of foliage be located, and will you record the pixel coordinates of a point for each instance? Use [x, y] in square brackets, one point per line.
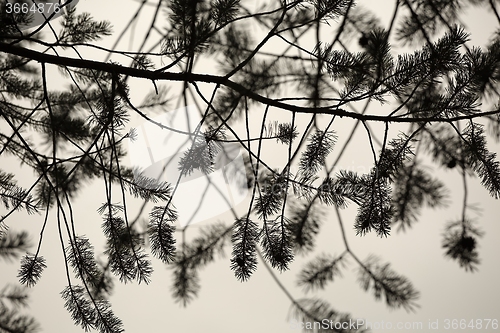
[322, 270]
[313, 310]
[435, 99]
[14, 298]
[397, 290]
[461, 244]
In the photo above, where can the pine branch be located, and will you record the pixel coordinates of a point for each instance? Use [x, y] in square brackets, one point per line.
[13, 244]
[186, 284]
[276, 242]
[330, 192]
[414, 187]
[320, 145]
[270, 200]
[3, 228]
[12, 322]
[482, 161]
[375, 212]
[283, 132]
[317, 315]
[80, 308]
[329, 9]
[397, 290]
[90, 314]
[459, 241]
[195, 255]
[320, 271]
[305, 220]
[244, 258]
[103, 287]
[31, 269]
[123, 247]
[438, 83]
[14, 197]
[224, 11]
[202, 250]
[427, 17]
[80, 255]
[82, 28]
[192, 77]
[16, 295]
[392, 159]
[350, 185]
[161, 233]
[199, 156]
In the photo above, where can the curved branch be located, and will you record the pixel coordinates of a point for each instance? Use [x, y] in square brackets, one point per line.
[193, 77]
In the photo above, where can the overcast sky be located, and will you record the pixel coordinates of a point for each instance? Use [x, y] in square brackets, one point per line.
[225, 305]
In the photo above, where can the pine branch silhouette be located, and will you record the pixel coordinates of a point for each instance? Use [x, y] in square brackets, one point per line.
[76, 134]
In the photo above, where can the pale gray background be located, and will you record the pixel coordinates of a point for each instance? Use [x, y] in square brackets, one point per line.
[226, 305]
